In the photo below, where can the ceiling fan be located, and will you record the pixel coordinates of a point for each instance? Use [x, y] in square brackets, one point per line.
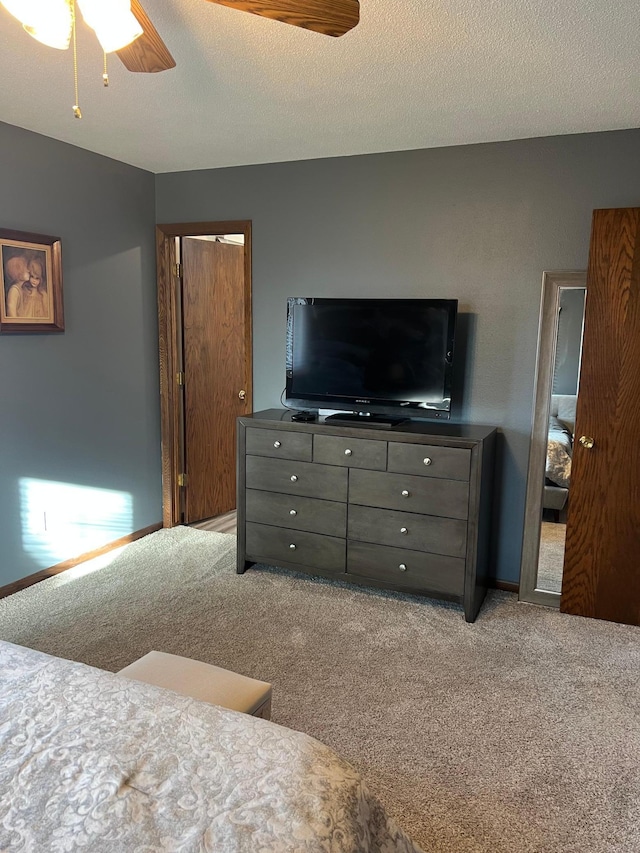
[329, 17]
[146, 51]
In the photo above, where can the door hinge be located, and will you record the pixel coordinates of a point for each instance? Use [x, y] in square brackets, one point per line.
[182, 480]
[177, 270]
[180, 378]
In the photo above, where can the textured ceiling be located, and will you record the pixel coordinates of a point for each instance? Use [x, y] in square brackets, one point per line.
[412, 74]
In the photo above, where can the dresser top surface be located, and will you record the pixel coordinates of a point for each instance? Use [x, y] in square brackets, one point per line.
[410, 428]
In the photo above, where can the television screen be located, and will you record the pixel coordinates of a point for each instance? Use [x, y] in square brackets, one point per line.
[377, 355]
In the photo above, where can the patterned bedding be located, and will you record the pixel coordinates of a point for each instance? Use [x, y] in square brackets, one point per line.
[559, 449]
[92, 761]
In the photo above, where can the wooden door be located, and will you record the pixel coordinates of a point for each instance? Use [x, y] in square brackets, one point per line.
[602, 557]
[216, 360]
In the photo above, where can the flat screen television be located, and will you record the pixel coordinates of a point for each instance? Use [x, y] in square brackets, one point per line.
[371, 357]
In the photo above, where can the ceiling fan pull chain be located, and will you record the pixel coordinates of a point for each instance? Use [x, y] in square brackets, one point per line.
[105, 75]
[76, 109]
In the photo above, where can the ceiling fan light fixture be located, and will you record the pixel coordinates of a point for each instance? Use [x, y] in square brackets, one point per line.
[52, 36]
[47, 21]
[31, 12]
[114, 23]
[54, 30]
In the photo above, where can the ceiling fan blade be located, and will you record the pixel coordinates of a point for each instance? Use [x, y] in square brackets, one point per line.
[329, 17]
[148, 53]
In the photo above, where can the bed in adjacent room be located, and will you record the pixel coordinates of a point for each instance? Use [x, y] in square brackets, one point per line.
[562, 417]
[93, 761]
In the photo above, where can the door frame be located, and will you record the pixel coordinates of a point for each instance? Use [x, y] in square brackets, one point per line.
[169, 347]
[552, 282]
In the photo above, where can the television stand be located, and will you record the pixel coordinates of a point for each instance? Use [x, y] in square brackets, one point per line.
[365, 419]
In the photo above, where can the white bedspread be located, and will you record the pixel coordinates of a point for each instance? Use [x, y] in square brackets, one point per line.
[95, 762]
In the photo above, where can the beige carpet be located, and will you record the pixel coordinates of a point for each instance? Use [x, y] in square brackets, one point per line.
[551, 558]
[517, 733]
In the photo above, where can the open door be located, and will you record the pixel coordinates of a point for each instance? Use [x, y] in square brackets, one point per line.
[204, 293]
[601, 576]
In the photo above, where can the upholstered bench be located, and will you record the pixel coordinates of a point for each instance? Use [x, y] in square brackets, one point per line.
[203, 681]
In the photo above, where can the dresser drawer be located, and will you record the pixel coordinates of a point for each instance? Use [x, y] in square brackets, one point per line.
[408, 530]
[402, 568]
[352, 452]
[447, 463]
[297, 513]
[280, 444]
[297, 478]
[276, 544]
[447, 498]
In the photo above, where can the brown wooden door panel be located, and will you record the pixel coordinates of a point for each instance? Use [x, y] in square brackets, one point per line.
[601, 575]
[215, 358]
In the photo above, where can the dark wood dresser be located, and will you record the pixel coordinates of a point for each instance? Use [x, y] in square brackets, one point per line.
[406, 508]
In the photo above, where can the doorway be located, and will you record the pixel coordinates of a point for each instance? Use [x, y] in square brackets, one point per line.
[204, 317]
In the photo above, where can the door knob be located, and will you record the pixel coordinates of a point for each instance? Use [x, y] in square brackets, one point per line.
[242, 395]
[586, 441]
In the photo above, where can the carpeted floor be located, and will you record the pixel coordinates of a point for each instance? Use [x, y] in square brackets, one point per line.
[551, 558]
[516, 734]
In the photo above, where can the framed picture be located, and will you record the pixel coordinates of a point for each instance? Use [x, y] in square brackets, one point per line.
[31, 278]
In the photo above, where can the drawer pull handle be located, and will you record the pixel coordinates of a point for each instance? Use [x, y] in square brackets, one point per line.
[402, 567]
[405, 493]
[293, 512]
[404, 530]
[294, 478]
[292, 547]
[277, 444]
[348, 452]
[427, 460]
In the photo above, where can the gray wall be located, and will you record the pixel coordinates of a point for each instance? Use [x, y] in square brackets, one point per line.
[566, 369]
[479, 223]
[81, 408]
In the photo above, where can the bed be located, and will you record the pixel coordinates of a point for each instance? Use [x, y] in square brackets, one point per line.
[93, 761]
[559, 451]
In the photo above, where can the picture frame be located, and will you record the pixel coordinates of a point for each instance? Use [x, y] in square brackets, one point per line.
[30, 282]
